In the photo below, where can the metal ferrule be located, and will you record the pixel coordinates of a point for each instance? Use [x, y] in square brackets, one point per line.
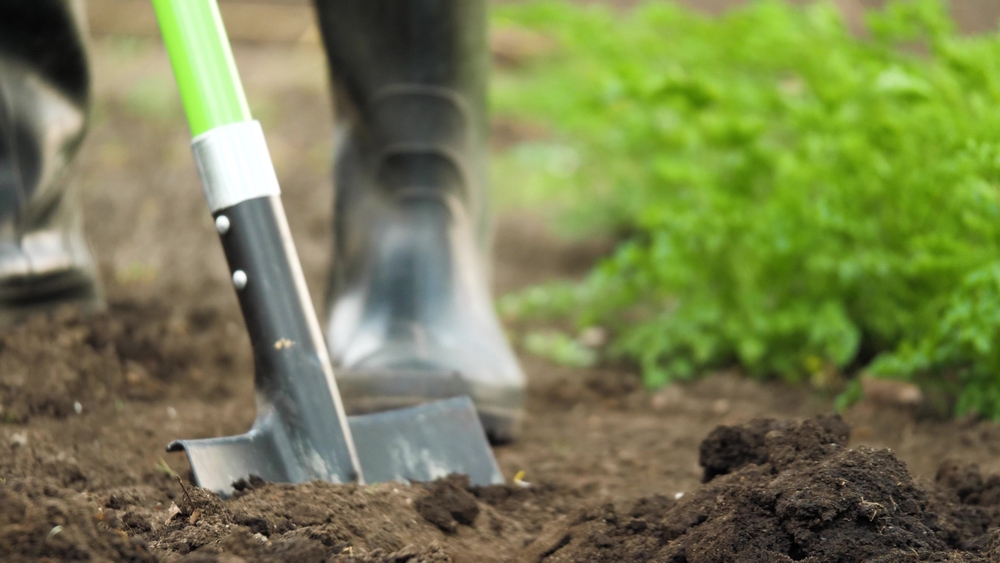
[234, 164]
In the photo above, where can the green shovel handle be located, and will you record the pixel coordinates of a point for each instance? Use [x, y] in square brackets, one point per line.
[203, 63]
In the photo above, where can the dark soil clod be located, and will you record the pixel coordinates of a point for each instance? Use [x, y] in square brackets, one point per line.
[449, 503]
[728, 448]
[245, 485]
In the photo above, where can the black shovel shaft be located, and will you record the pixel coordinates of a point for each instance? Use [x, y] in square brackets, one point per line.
[293, 373]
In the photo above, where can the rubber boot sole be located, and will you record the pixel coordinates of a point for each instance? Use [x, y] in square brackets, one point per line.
[46, 294]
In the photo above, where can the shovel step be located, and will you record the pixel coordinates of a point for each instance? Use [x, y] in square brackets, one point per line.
[421, 443]
[424, 443]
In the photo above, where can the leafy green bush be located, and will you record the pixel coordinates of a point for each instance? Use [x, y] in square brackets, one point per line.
[788, 196]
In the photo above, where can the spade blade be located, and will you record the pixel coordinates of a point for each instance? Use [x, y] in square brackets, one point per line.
[419, 443]
[424, 443]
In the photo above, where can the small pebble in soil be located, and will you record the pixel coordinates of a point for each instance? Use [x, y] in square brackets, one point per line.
[594, 337]
[77, 407]
[261, 538]
[669, 397]
[720, 407]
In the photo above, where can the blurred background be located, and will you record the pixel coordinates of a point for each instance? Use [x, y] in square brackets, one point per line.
[807, 191]
[288, 21]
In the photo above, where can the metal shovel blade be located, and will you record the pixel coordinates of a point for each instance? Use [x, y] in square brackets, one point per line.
[420, 443]
[424, 443]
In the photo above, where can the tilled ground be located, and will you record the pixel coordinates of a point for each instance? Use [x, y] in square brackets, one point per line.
[88, 404]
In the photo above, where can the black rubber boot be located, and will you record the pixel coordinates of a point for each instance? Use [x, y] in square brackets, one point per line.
[411, 317]
[44, 95]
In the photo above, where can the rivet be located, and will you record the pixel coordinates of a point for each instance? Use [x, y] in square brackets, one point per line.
[222, 224]
[239, 279]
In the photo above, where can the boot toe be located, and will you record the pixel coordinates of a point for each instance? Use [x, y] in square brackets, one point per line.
[46, 270]
[403, 373]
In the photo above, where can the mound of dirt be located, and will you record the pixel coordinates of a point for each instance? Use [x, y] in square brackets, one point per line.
[777, 492]
[777, 442]
[449, 503]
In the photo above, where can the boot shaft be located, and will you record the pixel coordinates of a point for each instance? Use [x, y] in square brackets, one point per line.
[48, 37]
[410, 83]
[44, 97]
[376, 44]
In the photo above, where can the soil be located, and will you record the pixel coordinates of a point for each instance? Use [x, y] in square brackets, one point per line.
[714, 470]
[798, 493]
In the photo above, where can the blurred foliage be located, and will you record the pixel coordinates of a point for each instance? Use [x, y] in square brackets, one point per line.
[155, 99]
[789, 197]
[559, 348]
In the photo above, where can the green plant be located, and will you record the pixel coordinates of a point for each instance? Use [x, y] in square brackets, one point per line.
[559, 348]
[164, 468]
[788, 196]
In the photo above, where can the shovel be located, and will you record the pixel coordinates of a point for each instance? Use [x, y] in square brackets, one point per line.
[301, 432]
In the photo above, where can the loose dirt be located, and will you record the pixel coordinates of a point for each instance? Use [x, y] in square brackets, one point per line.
[611, 472]
[778, 491]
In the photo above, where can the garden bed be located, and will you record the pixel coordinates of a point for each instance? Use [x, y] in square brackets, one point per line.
[612, 472]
